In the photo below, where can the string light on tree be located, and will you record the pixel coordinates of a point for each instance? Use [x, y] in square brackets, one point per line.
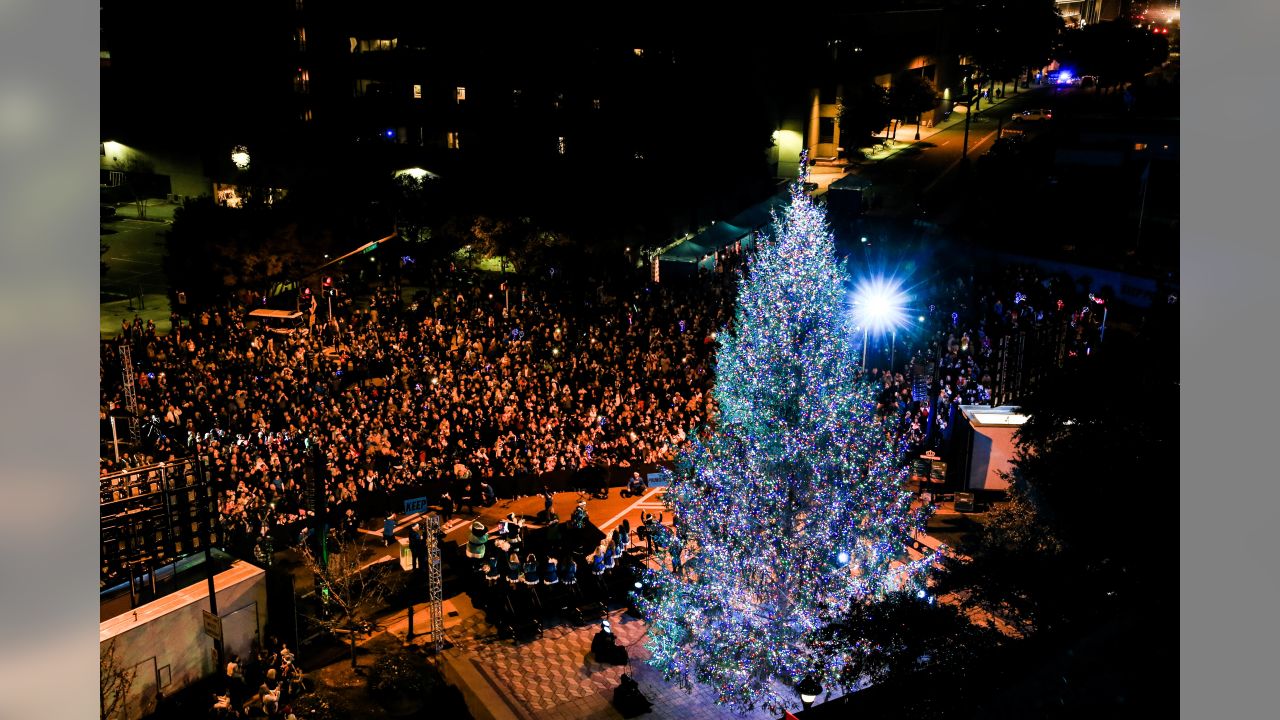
[795, 506]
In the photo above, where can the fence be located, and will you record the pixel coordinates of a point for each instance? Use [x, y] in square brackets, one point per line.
[150, 517]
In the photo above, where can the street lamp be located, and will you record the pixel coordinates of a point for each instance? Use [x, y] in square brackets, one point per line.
[878, 306]
[809, 690]
[240, 157]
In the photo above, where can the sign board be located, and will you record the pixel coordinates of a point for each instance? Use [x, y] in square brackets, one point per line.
[920, 470]
[938, 473]
[212, 625]
[415, 505]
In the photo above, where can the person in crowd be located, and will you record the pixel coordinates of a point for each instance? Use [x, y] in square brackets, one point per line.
[531, 576]
[605, 647]
[515, 571]
[636, 486]
[624, 534]
[550, 574]
[477, 541]
[389, 529]
[417, 545]
[446, 506]
[578, 520]
[547, 501]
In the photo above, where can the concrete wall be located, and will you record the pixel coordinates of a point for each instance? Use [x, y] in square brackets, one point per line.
[165, 640]
[186, 173]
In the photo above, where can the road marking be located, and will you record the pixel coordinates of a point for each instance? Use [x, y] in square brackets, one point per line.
[953, 165]
[608, 524]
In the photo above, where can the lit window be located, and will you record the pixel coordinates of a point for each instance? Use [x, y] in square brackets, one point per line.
[515, 97]
[373, 45]
[301, 38]
[595, 103]
[417, 92]
[302, 81]
[558, 100]
[1139, 146]
[306, 115]
[639, 52]
[561, 144]
[461, 93]
[455, 141]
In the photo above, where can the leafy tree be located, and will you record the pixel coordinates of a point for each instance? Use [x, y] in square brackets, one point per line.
[1114, 51]
[864, 110]
[1090, 466]
[903, 634]
[910, 96]
[1004, 36]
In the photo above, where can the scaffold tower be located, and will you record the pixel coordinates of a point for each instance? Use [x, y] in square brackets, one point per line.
[130, 397]
[435, 583]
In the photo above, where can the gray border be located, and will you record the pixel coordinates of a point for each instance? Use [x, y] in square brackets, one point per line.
[48, 322]
[1230, 296]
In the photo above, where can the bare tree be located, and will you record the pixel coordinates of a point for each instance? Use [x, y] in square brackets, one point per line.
[115, 682]
[133, 170]
[350, 595]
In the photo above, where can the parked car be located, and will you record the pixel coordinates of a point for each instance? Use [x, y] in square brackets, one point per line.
[1034, 115]
[106, 212]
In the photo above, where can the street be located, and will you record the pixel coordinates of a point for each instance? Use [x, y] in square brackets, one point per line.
[920, 172]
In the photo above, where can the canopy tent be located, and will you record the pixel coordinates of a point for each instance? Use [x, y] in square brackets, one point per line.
[720, 235]
[759, 215]
[687, 252]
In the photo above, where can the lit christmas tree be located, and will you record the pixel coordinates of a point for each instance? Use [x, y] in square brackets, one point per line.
[795, 506]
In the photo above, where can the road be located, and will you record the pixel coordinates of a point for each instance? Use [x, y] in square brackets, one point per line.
[920, 173]
[135, 257]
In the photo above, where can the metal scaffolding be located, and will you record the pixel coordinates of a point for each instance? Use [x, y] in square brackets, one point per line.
[130, 397]
[435, 583]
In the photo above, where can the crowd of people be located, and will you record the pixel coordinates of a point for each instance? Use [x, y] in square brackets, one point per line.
[447, 396]
[441, 395]
[261, 685]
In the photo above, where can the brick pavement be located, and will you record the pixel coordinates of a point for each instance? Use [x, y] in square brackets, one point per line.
[555, 678]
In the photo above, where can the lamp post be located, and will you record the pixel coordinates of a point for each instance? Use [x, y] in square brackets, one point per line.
[809, 690]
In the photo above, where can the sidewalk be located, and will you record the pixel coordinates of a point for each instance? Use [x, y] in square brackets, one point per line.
[955, 118]
[824, 175]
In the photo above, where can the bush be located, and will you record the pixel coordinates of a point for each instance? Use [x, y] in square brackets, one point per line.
[403, 672]
[321, 705]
